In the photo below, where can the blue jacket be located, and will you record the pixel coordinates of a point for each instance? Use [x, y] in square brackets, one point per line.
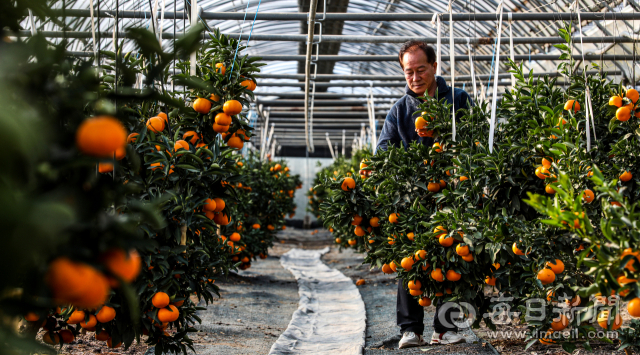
[399, 126]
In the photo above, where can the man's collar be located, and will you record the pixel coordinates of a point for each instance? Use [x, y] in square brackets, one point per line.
[440, 82]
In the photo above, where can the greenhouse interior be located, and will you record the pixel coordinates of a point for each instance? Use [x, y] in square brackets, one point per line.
[320, 177]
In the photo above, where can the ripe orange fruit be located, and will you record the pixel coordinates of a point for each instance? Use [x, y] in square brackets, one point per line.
[420, 255]
[194, 136]
[214, 98]
[549, 189]
[626, 176]
[490, 280]
[393, 266]
[220, 128]
[235, 142]
[348, 184]
[516, 250]
[437, 147]
[235, 237]
[132, 138]
[542, 172]
[232, 107]
[546, 162]
[468, 258]
[437, 275]
[338, 240]
[360, 282]
[220, 205]
[623, 114]
[67, 336]
[124, 265]
[209, 205]
[407, 263]
[414, 285]
[411, 236]
[102, 335]
[557, 268]
[104, 168]
[110, 343]
[632, 94]
[445, 240]
[356, 220]
[223, 119]
[155, 124]
[202, 105]
[439, 229]
[604, 321]
[106, 314]
[588, 196]
[76, 317]
[31, 317]
[570, 103]
[160, 300]
[220, 68]
[546, 276]
[462, 250]
[415, 292]
[393, 218]
[615, 101]
[421, 123]
[181, 144]
[633, 307]
[255, 226]
[425, 302]
[433, 187]
[51, 338]
[442, 184]
[374, 222]
[387, 269]
[359, 231]
[221, 218]
[101, 136]
[77, 283]
[453, 276]
[92, 322]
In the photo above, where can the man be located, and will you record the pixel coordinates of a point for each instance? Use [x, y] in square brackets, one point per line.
[418, 61]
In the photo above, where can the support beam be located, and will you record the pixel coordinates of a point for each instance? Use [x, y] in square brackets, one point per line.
[302, 16]
[348, 38]
[300, 95]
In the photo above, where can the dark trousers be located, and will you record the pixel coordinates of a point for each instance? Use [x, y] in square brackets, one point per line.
[410, 314]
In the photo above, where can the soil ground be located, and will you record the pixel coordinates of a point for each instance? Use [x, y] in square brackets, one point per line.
[256, 306]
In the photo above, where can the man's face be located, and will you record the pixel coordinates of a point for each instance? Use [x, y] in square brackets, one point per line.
[419, 74]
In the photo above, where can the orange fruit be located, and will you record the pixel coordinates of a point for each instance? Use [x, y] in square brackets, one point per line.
[420, 255]
[604, 321]
[570, 103]
[425, 302]
[542, 172]
[220, 204]
[77, 283]
[220, 68]
[110, 344]
[433, 187]
[549, 189]
[633, 307]
[623, 114]
[632, 94]
[387, 269]
[546, 162]
[155, 124]
[393, 218]
[490, 280]
[124, 265]
[462, 250]
[223, 119]
[437, 275]
[414, 285]
[235, 142]
[468, 258]
[194, 136]
[67, 336]
[496, 266]
[407, 263]
[214, 98]
[356, 220]
[359, 231]
[232, 107]
[106, 314]
[31, 317]
[411, 236]
[546, 276]
[92, 322]
[102, 335]
[436, 146]
[557, 268]
[348, 184]
[442, 184]
[220, 128]
[464, 178]
[132, 138]
[374, 222]
[516, 250]
[415, 292]
[631, 262]
[181, 144]
[104, 168]
[51, 338]
[76, 317]
[393, 266]
[235, 237]
[588, 196]
[421, 123]
[202, 105]
[360, 282]
[101, 136]
[338, 240]
[270, 227]
[453, 276]
[160, 300]
[210, 205]
[626, 176]
[615, 101]
[445, 240]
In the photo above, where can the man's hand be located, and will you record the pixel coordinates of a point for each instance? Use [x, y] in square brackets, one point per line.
[424, 132]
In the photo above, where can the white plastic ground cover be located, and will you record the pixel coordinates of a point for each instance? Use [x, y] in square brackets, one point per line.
[331, 318]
